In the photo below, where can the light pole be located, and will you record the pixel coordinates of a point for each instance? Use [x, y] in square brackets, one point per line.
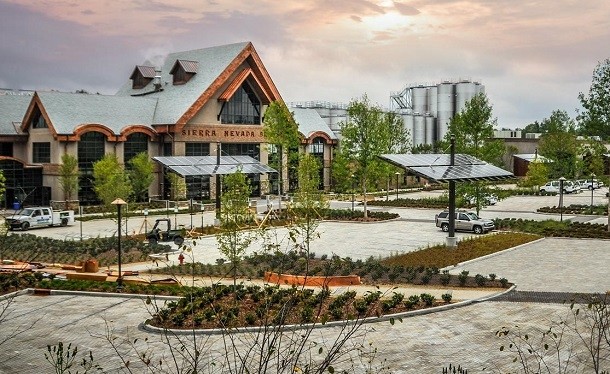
[175, 217]
[191, 211]
[353, 191]
[145, 221]
[119, 202]
[397, 176]
[561, 181]
[591, 185]
[202, 210]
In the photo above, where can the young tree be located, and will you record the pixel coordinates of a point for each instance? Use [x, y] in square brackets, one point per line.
[110, 180]
[368, 133]
[68, 176]
[537, 174]
[594, 120]
[235, 216]
[473, 129]
[177, 186]
[280, 130]
[141, 175]
[309, 204]
[563, 149]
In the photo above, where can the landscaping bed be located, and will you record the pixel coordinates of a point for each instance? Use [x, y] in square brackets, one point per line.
[554, 228]
[601, 210]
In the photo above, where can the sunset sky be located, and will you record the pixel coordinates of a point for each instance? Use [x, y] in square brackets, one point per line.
[533, 57]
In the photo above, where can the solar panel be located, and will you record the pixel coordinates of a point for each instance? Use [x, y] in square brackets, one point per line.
[438, 167]
[207, 165]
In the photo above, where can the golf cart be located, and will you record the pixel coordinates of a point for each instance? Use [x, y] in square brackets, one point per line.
[162, 232]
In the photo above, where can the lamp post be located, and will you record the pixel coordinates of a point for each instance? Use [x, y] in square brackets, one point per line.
[119, 202]
[561, 181]
[202, 210]
[145, 221]
[591, 185]
[175, 216]
[353, 191]
[397, 176]
[191, 211]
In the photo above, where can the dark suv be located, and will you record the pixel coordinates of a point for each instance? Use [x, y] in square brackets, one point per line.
[465, 221]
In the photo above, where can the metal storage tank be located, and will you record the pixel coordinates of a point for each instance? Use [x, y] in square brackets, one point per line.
[419, 96]
[445, 108]
[337, 115]
[430, 129]
[432, 100]
[419, 130]
[464, 90]
[408, 123]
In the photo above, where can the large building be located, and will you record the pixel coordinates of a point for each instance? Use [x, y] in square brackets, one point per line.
[427, 109]
[196, 103]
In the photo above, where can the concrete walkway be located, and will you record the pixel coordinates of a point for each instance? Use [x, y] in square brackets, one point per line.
[420, 344]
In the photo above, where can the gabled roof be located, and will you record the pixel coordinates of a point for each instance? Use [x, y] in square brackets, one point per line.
[245, 74]
[145, 71]
[177, 104]
[65, 112]
[310, 122]
[12, 109]
[186, 65]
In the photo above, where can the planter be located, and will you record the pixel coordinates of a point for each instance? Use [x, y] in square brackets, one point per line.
[312, 280]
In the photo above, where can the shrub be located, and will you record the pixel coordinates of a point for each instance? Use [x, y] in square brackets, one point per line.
[427, 299]
[447, 297]
[463, 277]
[480, 280]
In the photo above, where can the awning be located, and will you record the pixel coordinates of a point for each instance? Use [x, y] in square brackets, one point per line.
[438, 167]
[207, 165]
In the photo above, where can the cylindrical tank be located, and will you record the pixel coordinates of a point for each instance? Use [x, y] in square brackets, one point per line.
[408, 123]
[419, 130]
[445, 108]
[419, 96]
[464, 90]
[432, 100]
[430, 129]
[337, 115]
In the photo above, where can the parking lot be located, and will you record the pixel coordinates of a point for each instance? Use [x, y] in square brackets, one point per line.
[420, 344]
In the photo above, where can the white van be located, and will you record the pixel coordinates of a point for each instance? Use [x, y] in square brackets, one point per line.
[553, 187]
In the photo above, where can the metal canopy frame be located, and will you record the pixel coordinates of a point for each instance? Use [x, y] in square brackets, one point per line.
[211, 165]
[438, 167]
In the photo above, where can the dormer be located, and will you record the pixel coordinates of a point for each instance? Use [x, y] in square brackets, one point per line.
[141, 76]
[183, 71]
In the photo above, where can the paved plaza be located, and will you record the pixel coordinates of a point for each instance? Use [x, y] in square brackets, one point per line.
[420, 344]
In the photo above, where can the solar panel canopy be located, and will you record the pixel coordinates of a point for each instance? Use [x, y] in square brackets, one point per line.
[438, 167]
[187, 166]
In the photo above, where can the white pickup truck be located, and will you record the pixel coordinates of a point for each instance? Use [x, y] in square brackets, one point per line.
[39, 217]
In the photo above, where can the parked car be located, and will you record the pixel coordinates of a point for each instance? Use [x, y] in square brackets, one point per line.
[488, 199]
[464, 221]
[593, 184]
[553, 186]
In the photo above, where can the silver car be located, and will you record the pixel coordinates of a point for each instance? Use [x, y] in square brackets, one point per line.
[464, 221]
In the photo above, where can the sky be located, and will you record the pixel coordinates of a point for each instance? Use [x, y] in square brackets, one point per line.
[533, 57]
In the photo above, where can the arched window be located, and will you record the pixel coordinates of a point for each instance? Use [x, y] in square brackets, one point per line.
[91, 148]
[135, 143]
[317, 146]
[244, 107]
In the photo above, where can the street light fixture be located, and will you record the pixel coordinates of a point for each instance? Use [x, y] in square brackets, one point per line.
[119, 202]
[397, 176]
[561, 181]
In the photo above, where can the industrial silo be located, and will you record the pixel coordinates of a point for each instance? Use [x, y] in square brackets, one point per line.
[419, 129]
[430, 122]
[338, 114]
[464, 90]
[445, 108]
[432, 100]
[419, 96]
[408, 123]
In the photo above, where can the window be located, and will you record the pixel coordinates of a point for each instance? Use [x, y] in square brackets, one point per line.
[136, 143]
[317, 146]
[91, 148]
[41, 153]
[38, 121]
[243, 107]
[197, 149]
[6, 149]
